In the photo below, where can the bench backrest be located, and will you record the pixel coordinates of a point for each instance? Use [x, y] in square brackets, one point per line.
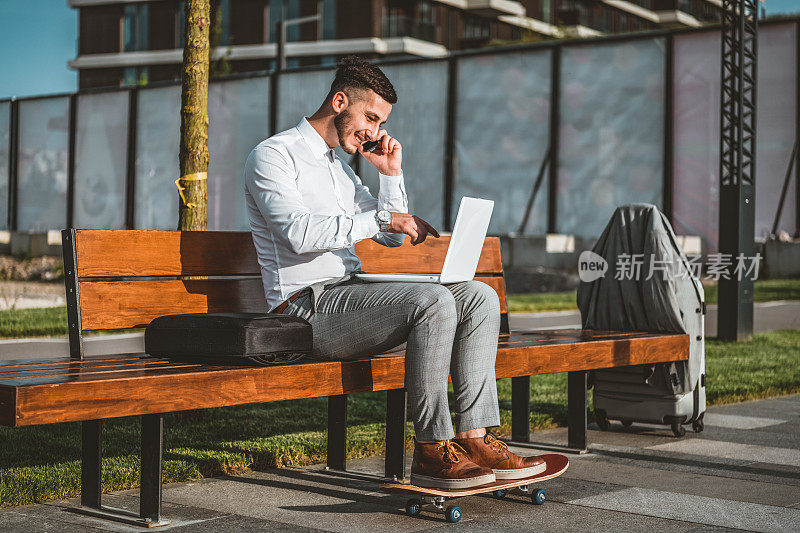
[118, 279]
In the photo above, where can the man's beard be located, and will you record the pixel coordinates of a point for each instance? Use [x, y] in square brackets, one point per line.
[342, 122]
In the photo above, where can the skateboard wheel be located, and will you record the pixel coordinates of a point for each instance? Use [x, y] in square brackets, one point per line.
[453, 514]
[499, 494]
[539, 497]
[413, 507]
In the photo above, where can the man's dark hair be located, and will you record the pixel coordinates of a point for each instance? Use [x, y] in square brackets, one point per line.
[353, 75]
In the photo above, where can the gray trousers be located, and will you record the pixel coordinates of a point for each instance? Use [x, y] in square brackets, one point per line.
[447, 328]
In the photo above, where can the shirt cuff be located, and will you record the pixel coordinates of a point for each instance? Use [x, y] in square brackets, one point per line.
[365, 226]
[391, 186]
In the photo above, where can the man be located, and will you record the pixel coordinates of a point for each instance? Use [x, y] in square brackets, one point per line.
[308, 209]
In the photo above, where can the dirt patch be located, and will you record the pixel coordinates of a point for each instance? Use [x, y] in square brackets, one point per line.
[45, 268]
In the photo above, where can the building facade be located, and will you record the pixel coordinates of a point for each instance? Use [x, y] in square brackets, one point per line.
[130, 42]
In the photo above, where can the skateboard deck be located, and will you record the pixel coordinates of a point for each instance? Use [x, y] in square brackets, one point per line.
[556, 465]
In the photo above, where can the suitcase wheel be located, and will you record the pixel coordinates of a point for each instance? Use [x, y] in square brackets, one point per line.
[698, 424]
[602, 420]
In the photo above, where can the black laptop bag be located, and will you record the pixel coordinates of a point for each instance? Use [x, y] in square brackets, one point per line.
[229, 338]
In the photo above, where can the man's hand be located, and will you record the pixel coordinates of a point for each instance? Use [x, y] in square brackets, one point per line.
[387, 157]
[413, 226]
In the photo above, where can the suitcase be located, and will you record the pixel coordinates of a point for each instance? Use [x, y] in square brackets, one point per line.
[229, 338]
[672, 394]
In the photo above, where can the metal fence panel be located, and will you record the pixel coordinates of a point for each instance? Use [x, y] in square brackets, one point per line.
[502, 135]
[43, 154]
[101, 147]
[157, 168]
[299, 95]
[418, 120]
[696, 89]
[611, 136]
[776, 125]
[238, 120]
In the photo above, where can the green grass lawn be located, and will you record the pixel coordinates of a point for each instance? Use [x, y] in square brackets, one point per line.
[765, 291]
[43, 463]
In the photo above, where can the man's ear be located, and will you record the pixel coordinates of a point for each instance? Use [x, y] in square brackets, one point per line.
[339, 101]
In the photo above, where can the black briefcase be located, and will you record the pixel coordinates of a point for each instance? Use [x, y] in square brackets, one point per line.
[230, 338]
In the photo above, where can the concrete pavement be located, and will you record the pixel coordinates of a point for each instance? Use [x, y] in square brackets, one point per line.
[767, 316]
[741, 473]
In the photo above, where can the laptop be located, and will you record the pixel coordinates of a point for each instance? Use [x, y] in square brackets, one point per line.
[463, 252]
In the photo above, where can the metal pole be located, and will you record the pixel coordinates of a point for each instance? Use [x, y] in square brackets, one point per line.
[555, 117]
[73, 113]
[13, 164]
[130, 174]
[737, 166]
[797, 133]
[785, 187]
[667, 193]
[450, 142]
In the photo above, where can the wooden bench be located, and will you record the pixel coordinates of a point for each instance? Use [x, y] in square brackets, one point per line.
[124, 279]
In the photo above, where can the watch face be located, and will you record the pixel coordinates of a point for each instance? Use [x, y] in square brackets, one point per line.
[384, 216]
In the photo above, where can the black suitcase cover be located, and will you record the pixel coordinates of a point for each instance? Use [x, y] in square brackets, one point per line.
[229, 338]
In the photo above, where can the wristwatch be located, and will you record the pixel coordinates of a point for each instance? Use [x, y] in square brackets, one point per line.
[384, 218]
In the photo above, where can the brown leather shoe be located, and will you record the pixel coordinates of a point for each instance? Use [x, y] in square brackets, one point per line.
[489, 452]
[445, 465]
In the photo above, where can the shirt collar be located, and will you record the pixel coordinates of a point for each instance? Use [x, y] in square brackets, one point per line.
[315, 141]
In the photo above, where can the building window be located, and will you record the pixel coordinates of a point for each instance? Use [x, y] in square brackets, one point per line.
[477, 28]
[134, 18]
[133, 76]
[409, 18]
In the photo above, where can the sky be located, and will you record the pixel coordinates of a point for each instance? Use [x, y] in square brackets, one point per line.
[38, 37]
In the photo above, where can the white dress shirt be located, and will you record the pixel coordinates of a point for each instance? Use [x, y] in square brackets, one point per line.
[308, 209]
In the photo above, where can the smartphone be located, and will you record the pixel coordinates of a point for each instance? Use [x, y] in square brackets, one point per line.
[369, 146]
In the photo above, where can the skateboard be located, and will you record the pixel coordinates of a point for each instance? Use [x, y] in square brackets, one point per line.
[556, 465]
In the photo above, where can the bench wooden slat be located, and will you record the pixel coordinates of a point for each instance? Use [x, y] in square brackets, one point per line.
[65, 365]
[424, 258]
[127, 393]
[118, 253]
[127, 304]
[98, 370]
[499, 286]
[128, 253]
[27, 363]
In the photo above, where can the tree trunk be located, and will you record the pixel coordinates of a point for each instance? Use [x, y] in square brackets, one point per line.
[193, 213]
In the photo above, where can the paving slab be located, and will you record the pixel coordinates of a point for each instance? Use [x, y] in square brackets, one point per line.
[637, 479]
[697, 509]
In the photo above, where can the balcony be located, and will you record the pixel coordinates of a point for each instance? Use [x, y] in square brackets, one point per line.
[495, 8]
[403, 26]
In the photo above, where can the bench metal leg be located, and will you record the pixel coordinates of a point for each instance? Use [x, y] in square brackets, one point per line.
[520, 408]
[395, 466]
[576, 415]
[337, 432]
[576, 410]
[152, 441]
[91, 446]
[150, 492]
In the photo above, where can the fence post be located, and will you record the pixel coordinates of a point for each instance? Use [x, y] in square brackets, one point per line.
[555, 118]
